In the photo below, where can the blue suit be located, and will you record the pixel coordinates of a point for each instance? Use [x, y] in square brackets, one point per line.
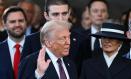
[6, 69]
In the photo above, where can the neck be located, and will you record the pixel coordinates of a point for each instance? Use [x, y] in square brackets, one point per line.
[98, 27]
[17, 40]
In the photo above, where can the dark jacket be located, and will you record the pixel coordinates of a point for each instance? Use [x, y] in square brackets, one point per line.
[28, 66]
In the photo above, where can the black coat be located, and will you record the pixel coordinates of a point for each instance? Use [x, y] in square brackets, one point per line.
[96, 68]
[28, 66]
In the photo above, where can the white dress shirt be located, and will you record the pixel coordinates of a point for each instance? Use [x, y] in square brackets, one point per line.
[93, 31]
[110, 59]
[54, 61]
[130, 53]
[12, 48]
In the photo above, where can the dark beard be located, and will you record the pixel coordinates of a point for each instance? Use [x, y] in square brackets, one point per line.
[12, 34]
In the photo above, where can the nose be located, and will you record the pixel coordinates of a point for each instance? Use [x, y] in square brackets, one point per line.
[68, 41]
[100, 13]
[17, 23]
[61, 17]
[107, 40]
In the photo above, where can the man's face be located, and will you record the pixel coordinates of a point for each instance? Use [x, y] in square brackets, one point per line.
[16, 24]
[29, 10]
[60, 42]
[98, 12]
[86, 20]
[110, 45]
[58, 12]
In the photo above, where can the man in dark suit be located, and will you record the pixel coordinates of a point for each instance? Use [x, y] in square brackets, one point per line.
[99, 14]
[15, 47]
[109, 64]
[54, 10]
[82, 44]
[55, 39]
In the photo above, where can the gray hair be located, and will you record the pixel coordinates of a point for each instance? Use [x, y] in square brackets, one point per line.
[50, 26]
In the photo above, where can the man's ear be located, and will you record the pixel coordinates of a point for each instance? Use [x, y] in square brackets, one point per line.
[4, 24]
[69, 12]
[48, 43]
[46, 16]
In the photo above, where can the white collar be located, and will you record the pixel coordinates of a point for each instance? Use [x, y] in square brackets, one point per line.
[52, 56]
[12, 43]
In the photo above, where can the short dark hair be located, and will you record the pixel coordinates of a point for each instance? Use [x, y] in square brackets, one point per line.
[92, 1]
[11, 10]
[48, 3]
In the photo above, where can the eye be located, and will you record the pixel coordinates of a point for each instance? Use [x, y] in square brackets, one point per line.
[55, 14]
[64, 13]
[12, 21]
[95, 10]
[21, 20]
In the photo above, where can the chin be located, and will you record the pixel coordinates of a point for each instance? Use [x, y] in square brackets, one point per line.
[66, 53]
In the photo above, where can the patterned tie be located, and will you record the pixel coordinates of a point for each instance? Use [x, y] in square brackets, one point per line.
[16, 60]
[61, 70]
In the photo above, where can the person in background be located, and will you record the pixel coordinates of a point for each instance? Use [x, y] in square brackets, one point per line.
[128, 32]
[51, 61]
[127, 21]
[81, 44]
[123, 17]
[38, 20]
[54, 10]
[28, 7]
[85, 19]
[78, 35]
[3, 32]
[99, 14]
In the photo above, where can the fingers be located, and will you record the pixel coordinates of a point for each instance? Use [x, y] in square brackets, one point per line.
[42, 54]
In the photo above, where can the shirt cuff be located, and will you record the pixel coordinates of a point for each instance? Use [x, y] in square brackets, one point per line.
[37, 75]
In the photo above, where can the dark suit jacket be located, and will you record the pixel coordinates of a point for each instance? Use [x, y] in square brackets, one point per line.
[28, 66]
[34, 41]
[78, 47]
[6, 69]
[96, 68]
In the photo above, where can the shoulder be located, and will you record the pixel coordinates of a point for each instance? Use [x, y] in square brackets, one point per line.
[31, 58]
[3, 44]
[34, 35]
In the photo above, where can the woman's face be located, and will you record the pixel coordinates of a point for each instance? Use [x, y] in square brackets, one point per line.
[109, 45]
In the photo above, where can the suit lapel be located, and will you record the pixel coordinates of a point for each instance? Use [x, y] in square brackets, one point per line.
[68, 67]
[26, 49]
[7, 64]
[100, 65]
[71, 69]
[51, 72]
[117, 65]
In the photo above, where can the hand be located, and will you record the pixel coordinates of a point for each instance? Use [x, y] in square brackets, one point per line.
[42, 64]
[128, 33]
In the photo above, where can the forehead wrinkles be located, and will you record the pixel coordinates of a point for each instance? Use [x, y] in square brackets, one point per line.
[58, 8]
